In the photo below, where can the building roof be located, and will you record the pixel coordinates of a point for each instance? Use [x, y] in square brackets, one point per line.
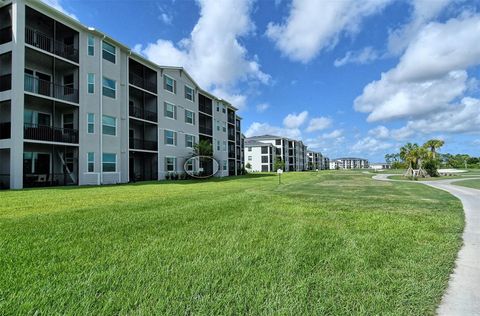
[349, 158]
[254, 143]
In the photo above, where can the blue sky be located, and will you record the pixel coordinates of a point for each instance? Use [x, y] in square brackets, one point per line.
[348, 77]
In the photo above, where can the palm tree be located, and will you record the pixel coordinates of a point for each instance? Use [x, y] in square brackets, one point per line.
[203, 148]
[408, 153]
[433, 145]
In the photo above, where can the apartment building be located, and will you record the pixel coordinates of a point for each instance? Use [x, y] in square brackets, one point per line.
[260, 157]
[292, 152]
[349, 163]
[78, 107]
[326, 163]
[315, 160]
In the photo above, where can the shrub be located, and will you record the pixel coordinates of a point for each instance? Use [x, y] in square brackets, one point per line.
[431, 167]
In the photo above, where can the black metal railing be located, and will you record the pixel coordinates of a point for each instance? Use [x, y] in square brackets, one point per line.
[138, 143]
[141, 113]
[5, 35]
[205, 130]
[143, 176]
[50, 89]
[5, 82]
[142, 82]
[231, 136]
[5, 130]
[50, 134]
[32, 180]
[231, 118]
[44, 42]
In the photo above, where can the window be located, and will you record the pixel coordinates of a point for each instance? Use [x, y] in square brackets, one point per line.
[218, 107]
[278, 142]
[170, 138]
[170, 164]
[264, 168]
[90, 123]
[170, 110]
[189, 117]
[109, 162]
[91, 162]
[109, 52]
[189, 94]
[264, 159]
[225, 164]
[249, 158]
[225, 127]
[218, 145]
[169, 84]
[224, 145]
[249, 148]
[109, 125]
[91, 45]
[109, 88]
[264, 150]
[224, 110]
[217, 123]
[91, 83]
[189, 141]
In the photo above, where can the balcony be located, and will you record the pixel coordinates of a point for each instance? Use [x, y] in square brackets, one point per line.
[142, 144]
[231, 116]
[139, 112]
[205, 130]
[143, 83]
[5, 130]
[5, 35]
[5, 82]
[50, 134]
[50, 89]
[46, 43]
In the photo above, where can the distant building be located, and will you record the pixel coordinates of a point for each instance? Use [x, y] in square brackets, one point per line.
[349, 163]
[380, 166]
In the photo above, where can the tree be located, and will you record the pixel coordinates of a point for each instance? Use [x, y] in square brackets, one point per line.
[278, 164]
[433, 145]
[248, 166]
[203, 148]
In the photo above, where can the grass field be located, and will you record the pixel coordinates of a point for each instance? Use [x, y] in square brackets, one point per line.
[469, 173]
[320, 243]
[475, 184]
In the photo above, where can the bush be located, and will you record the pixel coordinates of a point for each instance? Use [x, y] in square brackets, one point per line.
[431, 167]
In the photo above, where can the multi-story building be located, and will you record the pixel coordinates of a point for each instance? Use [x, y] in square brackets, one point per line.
[259, 157]
[326, 163]
[315, 160]
[349, 163]
[78, 107]
[292, 152]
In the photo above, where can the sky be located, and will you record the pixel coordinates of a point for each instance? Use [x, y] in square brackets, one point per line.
[347, 77]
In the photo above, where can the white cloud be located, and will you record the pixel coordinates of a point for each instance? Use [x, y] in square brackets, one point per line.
[431, 74]
[165, 18]
[365, 56]
[338, 133]
[380, 132]
[319, 123]
[313, 25]
[257, 128]
[423, 12]
[370, 145]
[386, 99]
[294, 120]
[57, 5]
[213, 53]
[262, 107]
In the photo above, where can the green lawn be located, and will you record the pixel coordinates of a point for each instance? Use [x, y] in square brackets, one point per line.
[475, 184]
[320, 243]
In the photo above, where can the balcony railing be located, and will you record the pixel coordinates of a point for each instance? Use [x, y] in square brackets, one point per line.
[5, 82]
[48, 44]
[143, 83]
[50, 134]
[5, 130]
[32, 180]
[5, 35]
[137, 143]
[140, 113]
[205, 130]
[50, 89]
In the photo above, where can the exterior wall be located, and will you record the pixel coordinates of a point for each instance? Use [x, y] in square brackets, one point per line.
[253, 156]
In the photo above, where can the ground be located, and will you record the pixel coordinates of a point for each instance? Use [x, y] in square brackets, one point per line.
[469, 173]
[333, 242]
[475, 184]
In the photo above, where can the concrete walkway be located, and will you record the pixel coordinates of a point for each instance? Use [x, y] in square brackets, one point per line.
[463, 293]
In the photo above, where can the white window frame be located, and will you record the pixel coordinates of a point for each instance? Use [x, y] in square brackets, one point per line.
[116, 161]
[114, 53]
[193, 93]
[173, 84]
[90, 162]
[174, 138]
[90, 36]
[193, 140]
[165, 110]
[103, 133]
[92, 123]
[174, 163]
[105, 87]
[193, 117]
[91, 76]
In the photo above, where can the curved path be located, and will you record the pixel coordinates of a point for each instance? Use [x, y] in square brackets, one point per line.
[463, 293]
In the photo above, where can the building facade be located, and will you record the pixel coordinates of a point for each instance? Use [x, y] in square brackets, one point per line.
[292, 152]
[349, 163]
[78, 107]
